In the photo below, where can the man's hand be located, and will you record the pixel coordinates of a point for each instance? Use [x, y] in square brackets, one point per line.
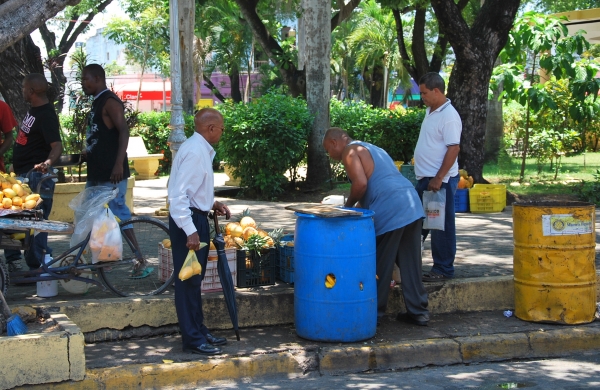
[117, 174]
[193, 241]
[221, 209]
[42, 167]
[434, 184]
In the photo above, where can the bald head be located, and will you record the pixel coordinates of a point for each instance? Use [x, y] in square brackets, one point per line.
[335, 133]
[335, 141]
[209, 124]
[37, 82]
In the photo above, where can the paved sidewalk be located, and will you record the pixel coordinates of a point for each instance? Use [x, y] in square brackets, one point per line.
[484, 241]
[262, 352]
[484, 253]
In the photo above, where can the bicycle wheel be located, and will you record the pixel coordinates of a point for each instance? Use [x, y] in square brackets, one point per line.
[3, 277]
[142, 238]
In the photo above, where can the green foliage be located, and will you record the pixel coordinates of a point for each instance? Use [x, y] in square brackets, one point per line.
[263, 139]
[589, 191]
[154, 129]
[114, 69]
[145, 35]
[565, 101]
[395, 131]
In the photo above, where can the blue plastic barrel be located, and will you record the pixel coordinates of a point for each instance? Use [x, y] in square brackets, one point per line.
[344, 248]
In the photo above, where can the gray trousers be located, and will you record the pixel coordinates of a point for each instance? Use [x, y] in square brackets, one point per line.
[403, 247]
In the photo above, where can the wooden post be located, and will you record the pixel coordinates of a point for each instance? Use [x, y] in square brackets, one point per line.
[187, 12]
[177, 136]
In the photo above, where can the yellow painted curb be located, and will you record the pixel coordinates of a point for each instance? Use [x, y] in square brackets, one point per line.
[493, 347]
[418, 353]
[155, 376]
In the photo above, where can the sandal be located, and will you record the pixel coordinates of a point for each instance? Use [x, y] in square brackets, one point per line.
[140, 271]
[435, 277]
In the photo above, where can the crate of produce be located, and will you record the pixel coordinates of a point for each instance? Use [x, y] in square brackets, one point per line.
[211, 281]
[286, 259]
[408, 171]
[461, 200]
[487, 198]
[256, 268]
[165, 264]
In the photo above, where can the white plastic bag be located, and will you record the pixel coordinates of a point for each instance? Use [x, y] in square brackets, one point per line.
[434, 205]
[87, 207]
[105, 240]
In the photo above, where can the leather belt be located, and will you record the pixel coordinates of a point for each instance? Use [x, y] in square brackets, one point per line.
[198, 211]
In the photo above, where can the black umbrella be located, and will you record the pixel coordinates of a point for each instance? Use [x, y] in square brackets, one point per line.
[225, 276]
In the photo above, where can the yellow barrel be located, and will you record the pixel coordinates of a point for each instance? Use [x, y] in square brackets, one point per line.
[554, 268]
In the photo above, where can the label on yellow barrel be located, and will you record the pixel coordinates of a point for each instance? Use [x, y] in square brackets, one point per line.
[565, 225]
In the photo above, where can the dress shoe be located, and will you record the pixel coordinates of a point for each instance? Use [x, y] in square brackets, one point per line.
[215, 340]
[435, 277]
[409, 318]
[204, 349]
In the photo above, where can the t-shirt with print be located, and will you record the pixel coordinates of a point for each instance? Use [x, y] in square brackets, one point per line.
[7, 123]
[38, 130]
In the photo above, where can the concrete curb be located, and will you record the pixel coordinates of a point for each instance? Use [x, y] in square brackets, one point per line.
[343, 360]
[274, 306]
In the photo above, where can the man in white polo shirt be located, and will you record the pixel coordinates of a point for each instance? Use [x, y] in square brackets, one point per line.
[436, 167]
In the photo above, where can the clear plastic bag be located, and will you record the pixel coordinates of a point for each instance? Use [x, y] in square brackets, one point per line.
[434, 206]
[105, 240]
[87, 207]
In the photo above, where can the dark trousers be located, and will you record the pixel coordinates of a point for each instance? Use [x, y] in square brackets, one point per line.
[188, 298]
[443, 242]
[35, 255]
[403, 247]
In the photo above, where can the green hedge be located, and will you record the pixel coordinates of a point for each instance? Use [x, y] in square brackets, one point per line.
[394, 131]
[264, 139]
[154, 129]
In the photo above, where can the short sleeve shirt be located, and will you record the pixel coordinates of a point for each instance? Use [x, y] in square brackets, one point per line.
[440, 129]
[39, 129]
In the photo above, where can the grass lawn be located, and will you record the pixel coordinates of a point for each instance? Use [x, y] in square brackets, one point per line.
[541, 182]
[572, 171]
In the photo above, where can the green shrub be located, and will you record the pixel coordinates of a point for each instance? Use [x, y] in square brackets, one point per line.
[154, 129]
[589, 191]
[264, 139]
[395, 131]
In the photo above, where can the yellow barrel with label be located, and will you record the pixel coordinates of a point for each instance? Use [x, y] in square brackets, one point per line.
[554, 265]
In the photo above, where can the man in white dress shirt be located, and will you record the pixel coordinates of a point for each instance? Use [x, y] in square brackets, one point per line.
[191, 197]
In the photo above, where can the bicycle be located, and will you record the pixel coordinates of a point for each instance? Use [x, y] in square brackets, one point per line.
[142, 245]
[115, 275]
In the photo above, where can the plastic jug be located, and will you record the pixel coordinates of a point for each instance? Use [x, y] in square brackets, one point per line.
[336, 200]
[47, 288]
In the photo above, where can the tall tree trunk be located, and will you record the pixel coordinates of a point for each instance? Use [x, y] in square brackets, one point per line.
[476, 50]
[292, 74]
[376, 86]
[187, 12]
[318, 51]
[234, 80]
[17, 61]
[494, 125]
[19, 18]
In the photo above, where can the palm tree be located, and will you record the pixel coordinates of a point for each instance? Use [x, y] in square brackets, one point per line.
[373, 45]
[231, 40]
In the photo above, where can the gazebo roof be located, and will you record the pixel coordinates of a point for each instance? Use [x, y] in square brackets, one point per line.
[587, 20]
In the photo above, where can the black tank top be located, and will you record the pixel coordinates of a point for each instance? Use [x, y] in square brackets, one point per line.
[102, 142]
